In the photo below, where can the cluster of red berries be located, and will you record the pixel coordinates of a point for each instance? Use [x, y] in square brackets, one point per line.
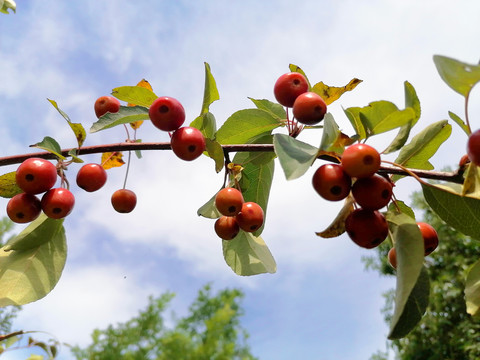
[36, 176]
[236, 214]
[291, 90]
[366, 226]
[430, 242]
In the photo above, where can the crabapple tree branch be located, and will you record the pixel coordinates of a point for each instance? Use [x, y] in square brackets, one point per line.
[453, 176]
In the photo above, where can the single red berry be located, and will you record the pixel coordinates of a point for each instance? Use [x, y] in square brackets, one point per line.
[124, 201]
[288, 87]
[250, 218]
[106, 104]
[366, 228]
[464, 161]
[91, 177]
[167, 113]
[229, 201]
[473, 147]
[372, 192]
[331, 182]
[360, 160]
[309, 108]
[430, 237]
[23, 208]
[57, 203]
[392, 257]
[35, 175]
[226, 227]
[188, 143]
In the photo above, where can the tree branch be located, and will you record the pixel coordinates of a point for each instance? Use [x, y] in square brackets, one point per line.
[455, 177]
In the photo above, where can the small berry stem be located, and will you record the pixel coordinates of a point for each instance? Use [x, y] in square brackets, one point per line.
[467, 97]
[128, 169]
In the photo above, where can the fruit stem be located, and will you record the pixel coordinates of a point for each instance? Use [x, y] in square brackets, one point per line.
[467, 97]
[128, 169]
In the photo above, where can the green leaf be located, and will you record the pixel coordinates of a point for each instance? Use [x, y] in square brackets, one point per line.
[215, 151]
[256, 181]
[460, 76]
[423, 146]
[353, 115]
[472, 290]
[7, 4]
[414, 309]
[295, 156]
[248, 255]
[409, 298]
[411, 101]
[77, 128]
[137, 95]
[382, 116]
[209, 210]
[40, 231]
[210, 93]
[471, 184]
[244, 125]
[35, 357]
[207, 124]
[400, 206]
[125, 115]
[12, 340]
[459, 122]
[51, 145]
[460, 212]
[8, 185]
[331, 135]
[29, 275]
[275, 109]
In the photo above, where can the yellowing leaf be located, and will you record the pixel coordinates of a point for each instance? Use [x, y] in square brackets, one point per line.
[144, 84]
[337, 227]
[332, 93]
[112, 159]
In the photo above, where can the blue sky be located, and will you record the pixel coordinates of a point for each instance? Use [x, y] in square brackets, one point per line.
[320, 304]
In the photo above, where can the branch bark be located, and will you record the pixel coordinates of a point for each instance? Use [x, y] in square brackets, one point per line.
[455, 176]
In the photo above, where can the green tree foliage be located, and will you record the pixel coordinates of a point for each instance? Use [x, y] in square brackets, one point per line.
[446, 331]
[210, 331]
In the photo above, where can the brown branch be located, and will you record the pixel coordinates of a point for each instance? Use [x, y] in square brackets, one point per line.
[455, 177]
[7, 336]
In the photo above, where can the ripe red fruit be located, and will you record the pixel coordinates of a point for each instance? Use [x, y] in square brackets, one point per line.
[360, 160]
[473, 147]
[23, 208]
[106, 104]
[430, 237]
[288, 87]
[91, 177]
[309, 108]
[226, 227]
[331, 182]
[229, 201]
[366, 228]
[35, 175]
[57, 203]
[392, 257]
[188, 143]
[250, 217]
[167, 113]
[124, 200]
[373, 192]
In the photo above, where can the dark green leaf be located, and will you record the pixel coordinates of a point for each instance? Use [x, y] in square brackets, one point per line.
[210, 93]
[460, 76]
[295, 156]
[8, 185]
[275, 109]
[244, 125]
[460, 212]
[125, 115]
[248, 255]
[51, 145]
[137, 95]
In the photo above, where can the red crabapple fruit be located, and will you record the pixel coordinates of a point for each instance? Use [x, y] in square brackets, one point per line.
[106, 104]
[57, 203]
[331, 182]
[226, 227]
[188, 143]
[360, 160]
[124, 200]
[23, 208]
[36, 175]
[288, 87]
[91, 177]
[229, 201]
[309, 108]
[250, 217]
[366, 228]
[167, 113]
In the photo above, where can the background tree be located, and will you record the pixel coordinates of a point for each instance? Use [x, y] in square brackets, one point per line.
[210, 331]
[446, 331]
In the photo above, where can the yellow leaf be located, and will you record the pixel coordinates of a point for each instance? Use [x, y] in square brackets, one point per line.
[112, 159]
[331, 93]
[144, 84]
